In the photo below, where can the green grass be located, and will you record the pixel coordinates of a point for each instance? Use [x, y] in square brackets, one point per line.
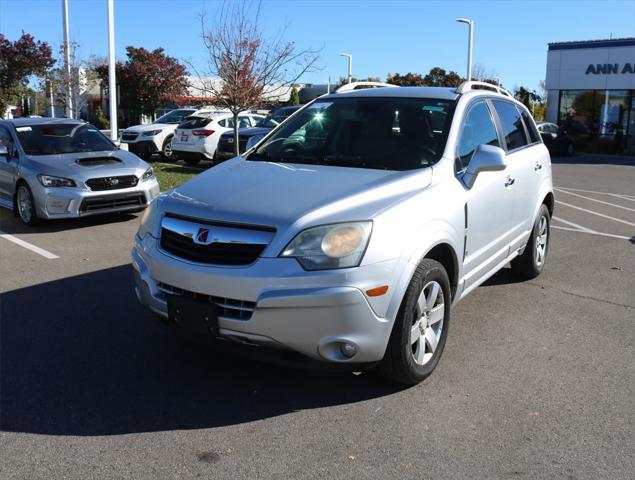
[170, 175]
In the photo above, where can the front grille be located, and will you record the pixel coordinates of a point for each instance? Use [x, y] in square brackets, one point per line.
[214, 253]
[112, 202]
[112, 183]
[129, 136]
[227, 307]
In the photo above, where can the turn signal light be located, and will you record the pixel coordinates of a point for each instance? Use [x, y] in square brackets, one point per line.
[377, 292]
[202, 133]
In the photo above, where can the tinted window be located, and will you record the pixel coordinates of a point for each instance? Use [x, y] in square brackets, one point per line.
[478, 129]
[194, 122]
[175, 116]
[55, 138]
[513, 130]
[380, 133]
[243, 122]
[5, 137]
[534, 136]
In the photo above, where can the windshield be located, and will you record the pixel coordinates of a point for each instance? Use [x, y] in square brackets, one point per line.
[380, 133]
[175, 116]
[55, 138]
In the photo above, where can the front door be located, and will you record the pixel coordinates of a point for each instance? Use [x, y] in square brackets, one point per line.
[8, 168]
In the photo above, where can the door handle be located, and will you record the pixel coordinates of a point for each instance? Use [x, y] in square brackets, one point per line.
[510, 181]
[537, 167]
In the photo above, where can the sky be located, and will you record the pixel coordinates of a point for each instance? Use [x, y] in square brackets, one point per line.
[510, 37]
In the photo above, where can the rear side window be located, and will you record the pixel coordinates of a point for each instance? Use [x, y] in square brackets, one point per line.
[478, 129]
[534, 136]
[513, 129]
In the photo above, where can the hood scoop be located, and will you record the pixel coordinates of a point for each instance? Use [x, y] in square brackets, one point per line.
[94, 161]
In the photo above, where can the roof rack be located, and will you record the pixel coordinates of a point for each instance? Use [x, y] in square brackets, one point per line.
[472, 85]
[349, 87]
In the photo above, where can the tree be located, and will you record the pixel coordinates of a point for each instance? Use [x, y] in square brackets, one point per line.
[294, 97]
[527, 97]
[19, 61]
[438, 77]
[480, 73]
[146, 79]
[245, 66]
[407, 80]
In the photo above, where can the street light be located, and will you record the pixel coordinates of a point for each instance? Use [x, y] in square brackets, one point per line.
[112, 81]
[470, 24]
[67, 61]
[350, 65]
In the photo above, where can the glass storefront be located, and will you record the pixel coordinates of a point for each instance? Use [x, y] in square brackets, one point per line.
[602, 113]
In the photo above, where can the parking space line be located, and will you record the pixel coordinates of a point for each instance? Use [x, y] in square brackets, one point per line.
[595, 200]
[592, 232]
[579, 227]
[596, 213]
[28, 246]
[618, 195]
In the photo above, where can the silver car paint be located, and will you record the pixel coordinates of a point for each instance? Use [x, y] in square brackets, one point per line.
[412, 212]
[28, 167]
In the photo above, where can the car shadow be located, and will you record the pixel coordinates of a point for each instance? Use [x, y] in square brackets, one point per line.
[503, 277]
[594, 159]
[11, 224]
[80, 356]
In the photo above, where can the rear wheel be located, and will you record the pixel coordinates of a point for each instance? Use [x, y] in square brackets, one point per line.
[25, 205]
[531, 263]
[421, 328]
[166, 151]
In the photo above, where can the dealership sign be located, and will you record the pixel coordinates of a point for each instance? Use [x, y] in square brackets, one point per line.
[610, 68]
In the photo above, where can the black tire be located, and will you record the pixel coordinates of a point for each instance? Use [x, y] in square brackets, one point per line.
[23, 193]
[166, 150]
[192, 161]
[529, 265]
[399, 363]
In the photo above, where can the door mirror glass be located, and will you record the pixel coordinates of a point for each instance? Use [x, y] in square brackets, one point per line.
[4, 151]
[252, 141]
[486, 158]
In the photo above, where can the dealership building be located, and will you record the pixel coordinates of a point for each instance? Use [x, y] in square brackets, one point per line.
[591, 88]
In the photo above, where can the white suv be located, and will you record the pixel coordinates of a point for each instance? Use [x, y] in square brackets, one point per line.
[155, 137]
[196, 138]
[346, 234]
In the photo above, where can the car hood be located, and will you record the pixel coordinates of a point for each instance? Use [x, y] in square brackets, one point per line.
[280, 195]
[249, 132]
[150, 126]
[82, 166]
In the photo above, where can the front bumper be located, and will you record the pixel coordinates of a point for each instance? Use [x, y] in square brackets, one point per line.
[74, 202]
[311, 313]
[142, 147]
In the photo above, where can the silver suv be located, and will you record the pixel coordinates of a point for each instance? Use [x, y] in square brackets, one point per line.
[346, 234]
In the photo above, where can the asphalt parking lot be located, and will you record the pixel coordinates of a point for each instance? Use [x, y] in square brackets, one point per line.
[537, 379]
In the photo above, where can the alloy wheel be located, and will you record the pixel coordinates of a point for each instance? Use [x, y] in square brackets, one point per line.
[541, 241]
[25, 204]
[167, 149]
[426, 329]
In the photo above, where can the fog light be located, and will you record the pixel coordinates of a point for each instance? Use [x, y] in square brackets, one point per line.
[348, 349]
[57, 204]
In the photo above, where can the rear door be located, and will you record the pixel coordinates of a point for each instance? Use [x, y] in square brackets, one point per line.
[489, 203]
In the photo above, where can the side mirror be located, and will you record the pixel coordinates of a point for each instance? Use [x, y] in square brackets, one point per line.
[4, 151]
[486, 158]
[252, 141]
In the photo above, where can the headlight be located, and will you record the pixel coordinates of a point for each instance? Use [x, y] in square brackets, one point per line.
[151, 133]
[149, 173]
[49, 181]
[150, 221]
[339, 245]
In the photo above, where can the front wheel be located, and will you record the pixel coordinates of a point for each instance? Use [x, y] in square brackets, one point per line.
[26, 205]
[421, 327]
[166, 151]
[531, 263]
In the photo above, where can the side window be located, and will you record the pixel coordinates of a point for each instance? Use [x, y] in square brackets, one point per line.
[5, 139]
[478, 129]
[534, 136]
[243, 122]
[513, 130]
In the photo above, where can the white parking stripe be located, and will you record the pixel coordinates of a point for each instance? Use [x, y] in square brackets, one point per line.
[579, 227]
[591, 232]
[619, 195]
[595, 200]
[28, 246]
[596, 213]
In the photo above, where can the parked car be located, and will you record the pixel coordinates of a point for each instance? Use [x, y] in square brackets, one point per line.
[226, 150]
[348, 232]
[557, 140]
[196, 138]
[60, 168]
[155, 137]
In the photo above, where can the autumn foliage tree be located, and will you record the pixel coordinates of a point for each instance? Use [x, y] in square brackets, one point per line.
[244, 66]
[146, 79]
[19, 60]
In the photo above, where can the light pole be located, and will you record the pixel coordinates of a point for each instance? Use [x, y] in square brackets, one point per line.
[350, 65]
[67, 60]
[470, 24]
[112, 81]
